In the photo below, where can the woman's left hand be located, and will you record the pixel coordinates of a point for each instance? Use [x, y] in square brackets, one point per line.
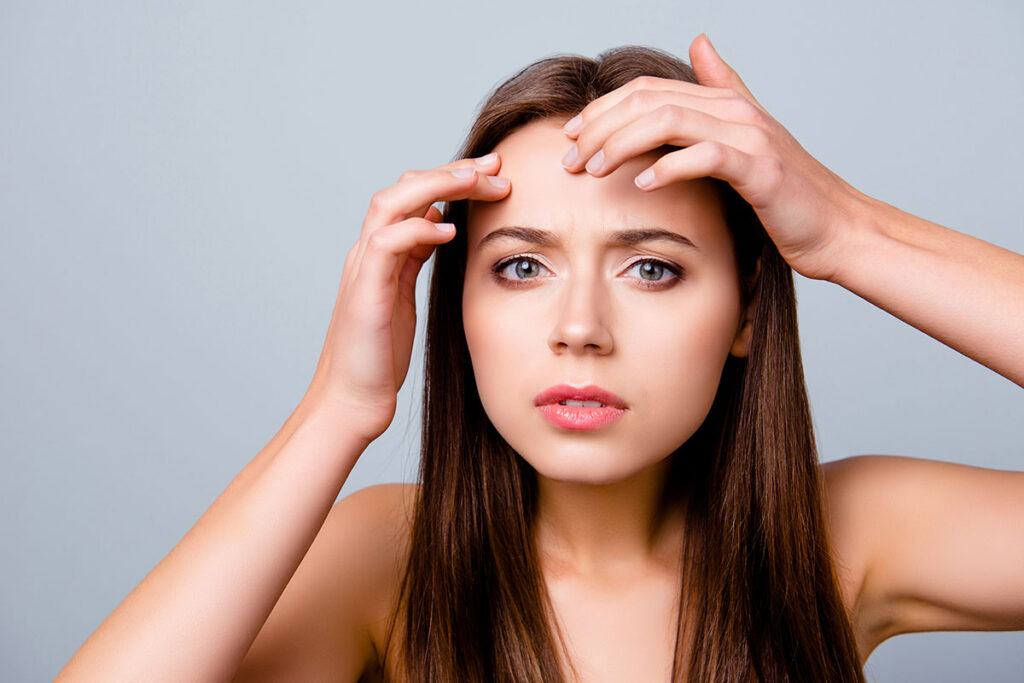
[806, 208]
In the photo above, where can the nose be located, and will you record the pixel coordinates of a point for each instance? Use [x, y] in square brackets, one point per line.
[583, 317]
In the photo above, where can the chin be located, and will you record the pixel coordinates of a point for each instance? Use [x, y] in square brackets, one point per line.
[596, 469]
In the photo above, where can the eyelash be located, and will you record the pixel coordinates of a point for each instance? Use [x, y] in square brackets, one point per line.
[676, 272]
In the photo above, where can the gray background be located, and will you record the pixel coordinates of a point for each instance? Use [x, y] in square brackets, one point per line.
[180, 182]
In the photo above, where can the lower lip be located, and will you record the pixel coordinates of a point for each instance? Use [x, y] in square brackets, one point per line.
[580, 417]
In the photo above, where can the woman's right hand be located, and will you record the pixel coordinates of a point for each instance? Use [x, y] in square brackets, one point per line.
[367, 351]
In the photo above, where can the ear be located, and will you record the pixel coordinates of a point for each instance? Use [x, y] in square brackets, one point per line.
[741, 343]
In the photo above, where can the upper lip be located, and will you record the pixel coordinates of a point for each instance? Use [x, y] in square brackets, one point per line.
[591, 392]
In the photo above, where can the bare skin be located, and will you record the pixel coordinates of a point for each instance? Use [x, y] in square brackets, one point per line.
[919, 545]
[583, 313]
[195, 616]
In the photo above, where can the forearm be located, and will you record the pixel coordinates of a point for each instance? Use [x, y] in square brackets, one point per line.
[963, 291]
[195, 615]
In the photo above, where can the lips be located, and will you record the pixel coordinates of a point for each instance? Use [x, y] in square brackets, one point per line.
[591, 392]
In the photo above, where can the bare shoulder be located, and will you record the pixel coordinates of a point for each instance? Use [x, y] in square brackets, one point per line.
[381, 513]
[375, 523]
[926, 545]
[331, 616]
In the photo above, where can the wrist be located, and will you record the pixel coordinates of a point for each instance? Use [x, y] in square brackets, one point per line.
[856, 231]
[338, 418]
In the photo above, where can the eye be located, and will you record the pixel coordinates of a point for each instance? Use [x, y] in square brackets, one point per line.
[523, 268]
[651, 271]
[516, 270]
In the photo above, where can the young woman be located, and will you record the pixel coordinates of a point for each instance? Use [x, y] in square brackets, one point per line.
[618, 477]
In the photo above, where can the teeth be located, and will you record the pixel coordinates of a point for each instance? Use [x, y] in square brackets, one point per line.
[589, 404]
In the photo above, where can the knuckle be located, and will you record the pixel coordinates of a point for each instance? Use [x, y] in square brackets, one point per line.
[380, 202]
[407, 175]
[668, 114]
[756, 138]
[642, 82]
[749, 113]
[636, 83]
[641, 99]
[377, 240]
[715, 152]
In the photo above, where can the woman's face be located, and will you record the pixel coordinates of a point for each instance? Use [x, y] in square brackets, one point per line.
[583, 310]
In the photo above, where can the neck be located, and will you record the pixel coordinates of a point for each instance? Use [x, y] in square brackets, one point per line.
[607, 529]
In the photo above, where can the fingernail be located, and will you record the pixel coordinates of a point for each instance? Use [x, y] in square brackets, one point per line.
[498, 181]
[570, 157]
[445, 227]
[573, 124]
[596, 162]
[462, 172]
[645, 178]
[487, 158]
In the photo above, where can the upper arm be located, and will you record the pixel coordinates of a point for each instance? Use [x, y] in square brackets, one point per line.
[938, 546]
[320, 627]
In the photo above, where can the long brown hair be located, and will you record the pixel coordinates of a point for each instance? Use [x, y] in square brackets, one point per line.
[759, 599]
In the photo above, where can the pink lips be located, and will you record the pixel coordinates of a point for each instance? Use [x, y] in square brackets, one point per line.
[579, 417]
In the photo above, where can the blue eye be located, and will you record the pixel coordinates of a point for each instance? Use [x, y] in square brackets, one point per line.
[652, 270]
[527, 272]
[655, 269]
[525, 268]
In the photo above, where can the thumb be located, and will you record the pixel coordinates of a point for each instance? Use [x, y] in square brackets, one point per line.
[712, 71]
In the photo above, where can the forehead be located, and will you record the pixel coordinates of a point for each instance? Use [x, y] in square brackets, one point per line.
[544, 195]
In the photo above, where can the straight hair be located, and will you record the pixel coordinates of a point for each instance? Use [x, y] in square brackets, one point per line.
[758, 597]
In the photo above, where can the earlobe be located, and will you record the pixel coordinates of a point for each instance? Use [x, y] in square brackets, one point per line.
[741, 343]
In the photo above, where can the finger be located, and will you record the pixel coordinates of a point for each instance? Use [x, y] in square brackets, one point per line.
[668, 125]
[348, 269]
[409, 264]
[602, 104]
[425, 209]
[410, 270]
[433, 214]
[750, 175]
[712, 70]
[488, 164]
[668, 116]
[387, 252]
[415, 191]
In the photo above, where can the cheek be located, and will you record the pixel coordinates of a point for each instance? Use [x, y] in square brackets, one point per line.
[695, 335]
[668, 357]
[502, 338]
[680, 357]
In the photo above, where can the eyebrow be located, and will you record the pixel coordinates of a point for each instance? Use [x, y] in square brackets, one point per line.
[623, 238]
